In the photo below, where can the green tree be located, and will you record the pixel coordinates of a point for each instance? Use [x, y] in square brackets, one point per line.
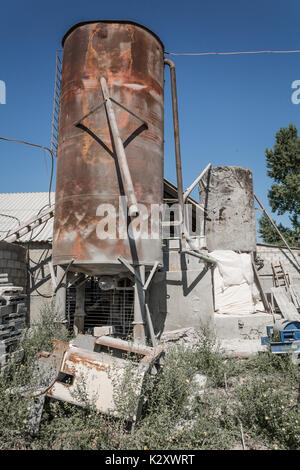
[283, 163]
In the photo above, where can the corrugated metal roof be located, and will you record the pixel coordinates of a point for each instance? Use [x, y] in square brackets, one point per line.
[17, 208]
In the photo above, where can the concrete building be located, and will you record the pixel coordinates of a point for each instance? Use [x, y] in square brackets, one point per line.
[36, 247]
[26, 261]
[182, 292]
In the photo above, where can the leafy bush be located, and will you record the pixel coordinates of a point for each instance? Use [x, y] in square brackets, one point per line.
[251, 403]
[18, 381]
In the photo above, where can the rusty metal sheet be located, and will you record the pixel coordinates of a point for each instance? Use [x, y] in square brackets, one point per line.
[131, 59]
[100, 377]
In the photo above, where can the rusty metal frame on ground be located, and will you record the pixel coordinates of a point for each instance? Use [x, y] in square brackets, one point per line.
[99, 371]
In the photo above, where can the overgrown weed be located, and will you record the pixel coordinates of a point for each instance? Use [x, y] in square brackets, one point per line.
[257, 397]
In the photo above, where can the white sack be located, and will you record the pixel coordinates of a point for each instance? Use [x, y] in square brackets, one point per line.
[234, 268]
[234, 289]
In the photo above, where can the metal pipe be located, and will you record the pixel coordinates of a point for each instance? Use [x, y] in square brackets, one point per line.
[277, 230]
[198, 254]
[120, 152]
[197, 180]
[124, 345]
[185, 197]
[171, 65]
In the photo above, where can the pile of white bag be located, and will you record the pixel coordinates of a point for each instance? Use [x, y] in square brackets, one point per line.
[234, 288]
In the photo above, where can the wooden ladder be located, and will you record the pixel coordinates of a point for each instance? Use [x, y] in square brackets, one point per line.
[280, 277]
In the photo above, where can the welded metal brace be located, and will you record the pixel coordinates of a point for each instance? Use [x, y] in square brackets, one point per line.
[119, 146]
[145, 287]
[64, 275]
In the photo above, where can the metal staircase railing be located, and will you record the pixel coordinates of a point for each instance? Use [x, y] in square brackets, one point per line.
[30, 225]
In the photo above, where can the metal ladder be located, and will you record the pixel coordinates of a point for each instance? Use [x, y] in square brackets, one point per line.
[56, 104]
[282, 279]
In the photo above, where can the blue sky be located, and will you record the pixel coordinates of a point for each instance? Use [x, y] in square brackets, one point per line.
[230, 107]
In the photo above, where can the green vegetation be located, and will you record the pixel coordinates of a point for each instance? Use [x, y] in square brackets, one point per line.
[252, 400]
[283, 163]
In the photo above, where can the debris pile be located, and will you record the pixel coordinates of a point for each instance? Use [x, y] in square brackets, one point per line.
[12, 317]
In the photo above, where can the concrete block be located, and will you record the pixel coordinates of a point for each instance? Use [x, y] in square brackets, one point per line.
[84, 342]
[104, 330]
[6, 310]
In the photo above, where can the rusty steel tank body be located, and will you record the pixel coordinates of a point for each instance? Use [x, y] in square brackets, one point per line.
[131, 59]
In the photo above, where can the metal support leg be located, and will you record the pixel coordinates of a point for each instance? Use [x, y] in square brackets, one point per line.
[149, 321]
[79, 309]
[61, 294]
[142, 314]
[139, 307]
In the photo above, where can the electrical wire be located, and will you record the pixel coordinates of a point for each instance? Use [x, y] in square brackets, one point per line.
[50, 178]
[233, 52]
[10, 217]
[41, 147]
[40, 210]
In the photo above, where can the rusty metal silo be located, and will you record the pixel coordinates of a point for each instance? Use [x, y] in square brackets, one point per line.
[131, 60]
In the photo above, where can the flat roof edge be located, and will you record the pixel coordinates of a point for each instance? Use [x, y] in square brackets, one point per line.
[82, 23]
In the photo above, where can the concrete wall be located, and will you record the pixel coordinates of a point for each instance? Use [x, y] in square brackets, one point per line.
[13, 263]
[273, 254]
[39, 283]
[181, 295]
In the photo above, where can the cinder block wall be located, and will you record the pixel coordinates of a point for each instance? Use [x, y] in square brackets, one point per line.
[13, 263]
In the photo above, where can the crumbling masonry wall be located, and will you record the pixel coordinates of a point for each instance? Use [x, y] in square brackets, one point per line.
[13, 263]
[12, 298]
[228, 199]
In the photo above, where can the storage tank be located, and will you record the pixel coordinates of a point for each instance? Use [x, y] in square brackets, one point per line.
[131, 59]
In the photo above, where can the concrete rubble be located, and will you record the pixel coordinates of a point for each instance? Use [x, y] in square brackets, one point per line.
[186, 336]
